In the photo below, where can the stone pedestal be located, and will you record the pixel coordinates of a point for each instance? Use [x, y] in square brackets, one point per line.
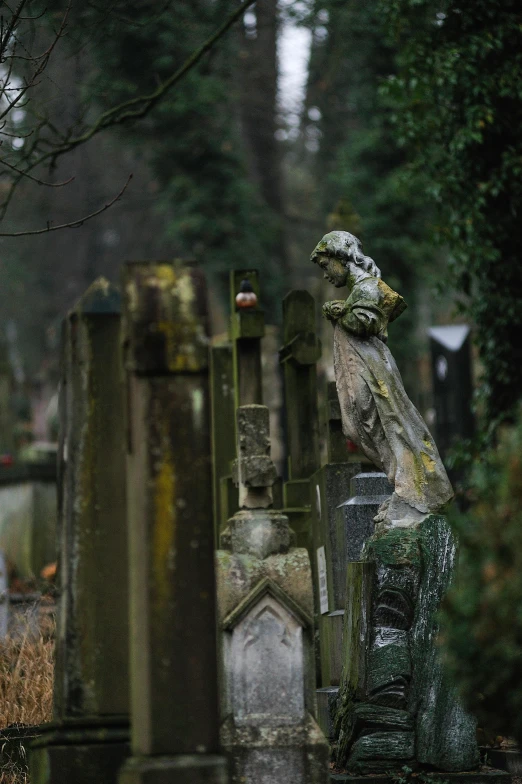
[397, 705]
[88, 739]
[265, 613]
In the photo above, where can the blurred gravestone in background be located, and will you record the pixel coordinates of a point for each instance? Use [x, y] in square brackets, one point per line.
[452, 384]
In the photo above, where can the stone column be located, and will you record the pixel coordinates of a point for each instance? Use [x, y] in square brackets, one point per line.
[265, 611]
[247, 327]
[174, 702]
[87, 740]
[222, 400]
[298, 357]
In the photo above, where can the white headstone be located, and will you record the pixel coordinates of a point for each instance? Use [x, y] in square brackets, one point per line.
[266, 665]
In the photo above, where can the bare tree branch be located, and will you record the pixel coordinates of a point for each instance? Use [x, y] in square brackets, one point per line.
[72, 224]
[45, 149]
[35, 179]
[137, 108]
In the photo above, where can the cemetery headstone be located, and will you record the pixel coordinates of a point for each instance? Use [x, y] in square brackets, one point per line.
[265, 612]
[452, 383]
[174, 698]
[88, 738]
[298, 357]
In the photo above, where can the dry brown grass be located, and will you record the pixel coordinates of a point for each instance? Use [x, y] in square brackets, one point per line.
[26, 685]
[14, 776]
[26, 680]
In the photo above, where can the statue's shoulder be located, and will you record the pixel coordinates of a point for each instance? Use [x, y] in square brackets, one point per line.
[391, 302]
[374, 291]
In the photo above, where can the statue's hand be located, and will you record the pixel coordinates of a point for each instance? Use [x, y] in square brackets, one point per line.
[335, 309]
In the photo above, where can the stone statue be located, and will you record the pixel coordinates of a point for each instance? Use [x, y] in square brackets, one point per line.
[377, 414]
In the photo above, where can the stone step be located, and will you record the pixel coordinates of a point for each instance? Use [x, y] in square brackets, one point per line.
[481, 776]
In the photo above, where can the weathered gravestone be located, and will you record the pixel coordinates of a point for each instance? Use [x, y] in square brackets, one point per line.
[396, 705]
[235, 379]
[298, 358]
[452, 381]
[88, 738]
[345, 531]
[174, 699]
[265, 612]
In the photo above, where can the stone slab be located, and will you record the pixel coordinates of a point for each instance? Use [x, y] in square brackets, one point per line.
[78, 763]
[484, 776]
[370, 483]
[329, 488]
[326, 700]
[505, 759]
[355, 518]
[178, 769]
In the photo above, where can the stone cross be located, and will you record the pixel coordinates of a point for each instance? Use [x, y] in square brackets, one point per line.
[298, 358]
[256, 471]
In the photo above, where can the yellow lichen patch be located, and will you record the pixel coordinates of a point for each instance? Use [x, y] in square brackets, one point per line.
[383, 389]
[180, 345]
[163, 538]
[427, 443]
[391, 303]
[165, 276]
[429, 462]
[185, 295]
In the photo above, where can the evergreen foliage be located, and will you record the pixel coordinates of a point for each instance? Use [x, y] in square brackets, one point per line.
[458, 106]
[213, 210]
[483, 614]
[193, 140]
[366, 186]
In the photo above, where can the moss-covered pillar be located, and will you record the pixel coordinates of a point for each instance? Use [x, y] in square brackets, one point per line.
[222, 429]
[174, 703]
[298, 357]
[87, 740]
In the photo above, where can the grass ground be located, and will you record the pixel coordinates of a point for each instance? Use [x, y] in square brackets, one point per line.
[26, 687]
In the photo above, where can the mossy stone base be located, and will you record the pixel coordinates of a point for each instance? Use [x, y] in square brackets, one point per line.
[85, 764]
[484, 776]
[79, 753]
[399, 665]
[175, 769]
[382, 751]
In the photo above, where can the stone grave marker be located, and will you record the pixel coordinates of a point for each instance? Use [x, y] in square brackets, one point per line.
[88, 738]
[265, 612]
[174, 698]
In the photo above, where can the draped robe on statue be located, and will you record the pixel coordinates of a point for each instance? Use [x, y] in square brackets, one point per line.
[377, 414]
